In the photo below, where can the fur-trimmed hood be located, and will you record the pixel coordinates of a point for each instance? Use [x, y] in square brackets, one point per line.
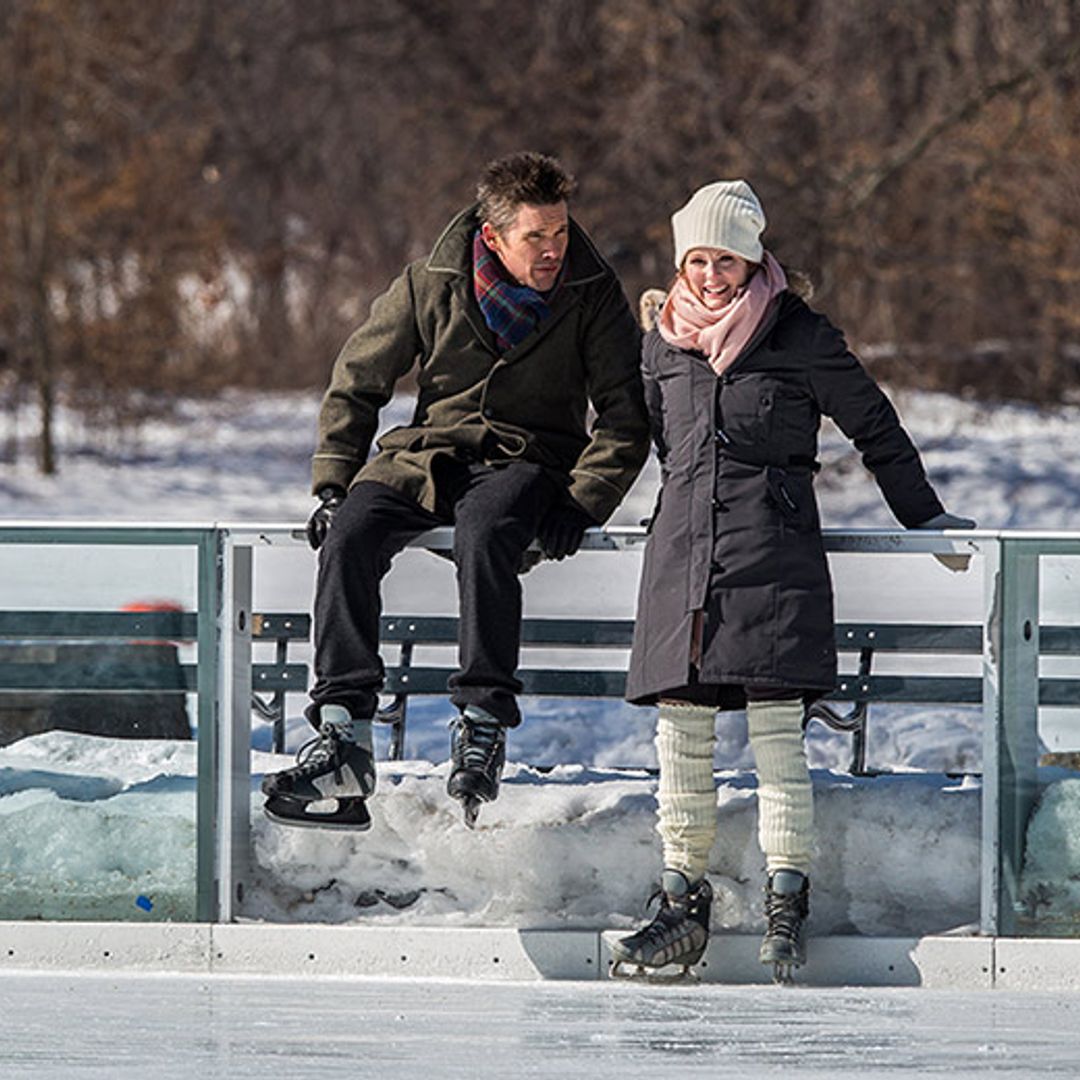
[652, 300]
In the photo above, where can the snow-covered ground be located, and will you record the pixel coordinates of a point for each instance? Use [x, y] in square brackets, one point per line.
[247, 455]
[105, 829]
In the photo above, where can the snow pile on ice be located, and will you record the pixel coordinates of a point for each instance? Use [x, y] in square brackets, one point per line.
[90, 825]
[98, 828]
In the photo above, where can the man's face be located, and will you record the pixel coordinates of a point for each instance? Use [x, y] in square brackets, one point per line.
[533, 246]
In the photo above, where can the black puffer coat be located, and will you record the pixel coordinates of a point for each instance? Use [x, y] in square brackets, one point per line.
[736, 534]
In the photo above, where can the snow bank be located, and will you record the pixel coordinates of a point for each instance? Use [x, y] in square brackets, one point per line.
[107, 831]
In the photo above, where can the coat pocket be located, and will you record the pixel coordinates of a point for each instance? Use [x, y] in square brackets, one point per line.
[747, 407]
[792, 494]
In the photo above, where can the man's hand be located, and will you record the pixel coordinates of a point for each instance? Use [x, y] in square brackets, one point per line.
[330, 499]
[563, 529]
[945, 520]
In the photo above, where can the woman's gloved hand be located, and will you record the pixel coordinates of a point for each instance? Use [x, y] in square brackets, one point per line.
[945, 520]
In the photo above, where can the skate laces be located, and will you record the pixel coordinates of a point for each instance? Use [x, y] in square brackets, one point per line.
[667, 924]
[477, 743]
[320, 751]
[785, 913]
[673, 920]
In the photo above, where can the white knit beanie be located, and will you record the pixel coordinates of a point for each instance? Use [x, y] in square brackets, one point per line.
[725, 214]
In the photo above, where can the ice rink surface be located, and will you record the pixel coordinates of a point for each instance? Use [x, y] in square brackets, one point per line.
[157, 1027]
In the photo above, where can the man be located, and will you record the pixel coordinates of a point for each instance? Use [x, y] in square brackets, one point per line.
[517, 324]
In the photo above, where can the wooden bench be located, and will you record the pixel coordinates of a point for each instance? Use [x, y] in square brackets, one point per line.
[860, 645]
[117, 657]
[405, 678]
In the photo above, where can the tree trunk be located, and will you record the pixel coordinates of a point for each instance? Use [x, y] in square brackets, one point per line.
[43, 367]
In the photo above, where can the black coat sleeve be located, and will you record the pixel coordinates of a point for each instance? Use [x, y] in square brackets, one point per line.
[845, 392]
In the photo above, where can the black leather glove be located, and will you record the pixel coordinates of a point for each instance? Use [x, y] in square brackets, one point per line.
[330, 499]
[563, 529]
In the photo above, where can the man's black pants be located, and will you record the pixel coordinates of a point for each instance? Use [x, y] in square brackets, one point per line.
[496, 513]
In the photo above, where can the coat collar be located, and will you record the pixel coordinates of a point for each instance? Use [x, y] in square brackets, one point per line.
[452, 253]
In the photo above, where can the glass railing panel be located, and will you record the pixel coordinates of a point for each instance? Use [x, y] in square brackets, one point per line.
[98, 751]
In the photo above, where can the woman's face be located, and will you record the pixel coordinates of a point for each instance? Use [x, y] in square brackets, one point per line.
[715, 275]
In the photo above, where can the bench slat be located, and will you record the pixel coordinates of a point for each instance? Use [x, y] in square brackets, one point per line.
[65, 677]
[565, 683]
[914, 689]
[153, 625]
[915, 637]
[618, 633]
[1059, 640]
[443, 630]
[1059, 692]
[279, 677]
[280, 625]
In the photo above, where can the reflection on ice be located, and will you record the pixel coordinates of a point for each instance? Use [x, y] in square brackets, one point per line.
[175, 1027]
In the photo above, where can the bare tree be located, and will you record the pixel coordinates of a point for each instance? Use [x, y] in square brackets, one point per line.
[211, 191]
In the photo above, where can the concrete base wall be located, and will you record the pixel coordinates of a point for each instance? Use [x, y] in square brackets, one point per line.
[962, 963]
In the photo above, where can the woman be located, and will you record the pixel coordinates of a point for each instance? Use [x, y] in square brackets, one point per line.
[735, 606]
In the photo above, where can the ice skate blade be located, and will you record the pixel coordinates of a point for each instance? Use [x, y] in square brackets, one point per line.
[632, 971]
[350, 814]
[784, 973]
[471, 811]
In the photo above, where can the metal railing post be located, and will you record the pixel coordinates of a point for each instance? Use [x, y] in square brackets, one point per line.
[208, 683]
[1010, 730]
[234, 730]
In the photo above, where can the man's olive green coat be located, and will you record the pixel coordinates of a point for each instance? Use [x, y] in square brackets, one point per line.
[478, 402]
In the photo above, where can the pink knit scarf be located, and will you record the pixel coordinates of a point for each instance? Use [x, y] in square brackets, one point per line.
[721, 335]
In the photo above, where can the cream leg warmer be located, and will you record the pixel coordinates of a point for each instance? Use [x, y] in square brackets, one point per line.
[785, 795]
[686, 820]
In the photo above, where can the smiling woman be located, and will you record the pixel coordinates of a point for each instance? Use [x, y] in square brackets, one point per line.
[735, 607]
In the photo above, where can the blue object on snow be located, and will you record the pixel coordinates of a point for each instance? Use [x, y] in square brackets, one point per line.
[144, 902]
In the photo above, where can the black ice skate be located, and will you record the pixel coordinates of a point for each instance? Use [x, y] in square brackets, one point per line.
[677, 935]
[477, 753]
[333, 775]
[787, 904]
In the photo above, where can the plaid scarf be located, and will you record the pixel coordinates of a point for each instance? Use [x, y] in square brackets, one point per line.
[511, 311]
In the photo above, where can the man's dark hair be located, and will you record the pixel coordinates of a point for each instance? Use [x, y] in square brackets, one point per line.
[526, 177]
